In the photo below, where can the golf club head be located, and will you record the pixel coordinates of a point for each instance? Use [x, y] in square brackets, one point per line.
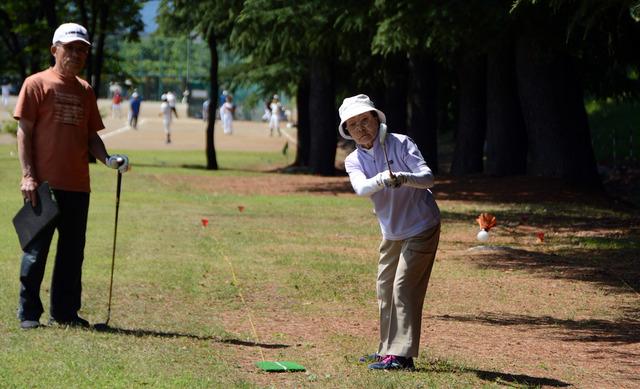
[101, 327]
[382, 133]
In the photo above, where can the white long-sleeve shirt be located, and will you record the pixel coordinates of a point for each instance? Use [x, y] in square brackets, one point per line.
[402, 212]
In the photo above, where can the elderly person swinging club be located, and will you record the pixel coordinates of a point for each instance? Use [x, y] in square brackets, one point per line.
[409, 219]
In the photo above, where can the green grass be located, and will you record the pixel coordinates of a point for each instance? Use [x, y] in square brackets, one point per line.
[303, 256]
[615, 131]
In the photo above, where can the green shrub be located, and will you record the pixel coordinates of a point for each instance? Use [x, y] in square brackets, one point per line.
[9, 126]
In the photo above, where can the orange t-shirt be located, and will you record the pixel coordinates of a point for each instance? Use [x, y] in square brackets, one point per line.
[65, 114]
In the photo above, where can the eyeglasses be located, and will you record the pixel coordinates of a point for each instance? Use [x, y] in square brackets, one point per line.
[354, 126]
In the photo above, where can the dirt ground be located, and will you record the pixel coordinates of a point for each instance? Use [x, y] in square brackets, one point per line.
[526, 335]
[506, 338]
[187, 133]
[519, 329]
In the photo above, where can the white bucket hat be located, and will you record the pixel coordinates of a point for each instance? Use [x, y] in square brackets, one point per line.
[70, 32]
[354, 106]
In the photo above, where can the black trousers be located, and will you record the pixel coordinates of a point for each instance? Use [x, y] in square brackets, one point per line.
[66, 283]
[133, 121]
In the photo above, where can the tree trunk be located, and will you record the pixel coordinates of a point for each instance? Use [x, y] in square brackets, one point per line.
[212, 163]
[304, 141]
[49, 11]
[395, 104]
[322, 113]
[471, 129]
[506, 136]
[99, 58]
[423, 116]
[84, 19]
[12, 43]
[553, 108]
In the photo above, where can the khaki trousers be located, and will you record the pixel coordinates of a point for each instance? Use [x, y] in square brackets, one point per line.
[404, 269]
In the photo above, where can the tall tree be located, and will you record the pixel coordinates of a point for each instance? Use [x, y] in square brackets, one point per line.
[471, 127]
[25, 35]
[299, 36]
[423, 103]
[506, 141]
[407, 30]
[552, 102]
[115, 19]
[213, 21]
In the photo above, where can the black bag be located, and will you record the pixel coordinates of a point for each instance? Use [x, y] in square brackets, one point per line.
[29, 221]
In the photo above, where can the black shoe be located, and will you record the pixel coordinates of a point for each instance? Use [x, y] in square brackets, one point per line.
[75, 322]
[393, 362]
[29, 324]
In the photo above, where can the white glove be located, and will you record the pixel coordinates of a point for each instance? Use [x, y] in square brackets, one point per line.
[118, 161]
[385, 179]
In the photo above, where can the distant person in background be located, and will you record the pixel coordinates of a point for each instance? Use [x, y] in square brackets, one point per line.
[267, 111]
[5, 93]
[226, 115]
[274, 121]
[165, 112]
[115, 105]
[223, 97]
[205, 110]
[134, 110]
[113, 88]
[171, 100]
[185, 96]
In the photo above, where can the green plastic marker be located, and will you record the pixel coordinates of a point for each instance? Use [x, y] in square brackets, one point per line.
[284, 366]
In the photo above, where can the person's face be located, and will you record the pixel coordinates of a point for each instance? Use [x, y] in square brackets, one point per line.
[363, 128]
[70, 57]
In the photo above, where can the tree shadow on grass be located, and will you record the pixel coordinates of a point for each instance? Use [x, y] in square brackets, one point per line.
[328, 187]
[187, 166]
[514, 380]
[481, 188]
[518, 379]
[140, 333]
[616, 269]
[624, 331]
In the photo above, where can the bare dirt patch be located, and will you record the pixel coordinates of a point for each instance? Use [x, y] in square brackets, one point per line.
[557, 315]
[267, 184]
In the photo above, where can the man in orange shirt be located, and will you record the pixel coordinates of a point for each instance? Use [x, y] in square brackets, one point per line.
[58, 128]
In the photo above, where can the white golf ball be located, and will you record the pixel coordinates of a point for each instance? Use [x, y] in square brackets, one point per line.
[483, 236]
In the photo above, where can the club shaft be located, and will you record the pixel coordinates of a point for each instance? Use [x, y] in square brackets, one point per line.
[113, 253]
[384, 150]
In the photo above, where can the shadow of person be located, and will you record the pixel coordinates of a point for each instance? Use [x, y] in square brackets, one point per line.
[137, 332]
[501, 378]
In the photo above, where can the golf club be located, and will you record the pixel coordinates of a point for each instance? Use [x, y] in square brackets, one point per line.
[105, 325]
[383, 136]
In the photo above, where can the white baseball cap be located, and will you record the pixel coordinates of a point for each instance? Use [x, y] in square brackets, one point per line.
[354, 106]
[70, 32]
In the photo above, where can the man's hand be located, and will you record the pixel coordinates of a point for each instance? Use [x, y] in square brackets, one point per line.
[118, 161]
[28, 187]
